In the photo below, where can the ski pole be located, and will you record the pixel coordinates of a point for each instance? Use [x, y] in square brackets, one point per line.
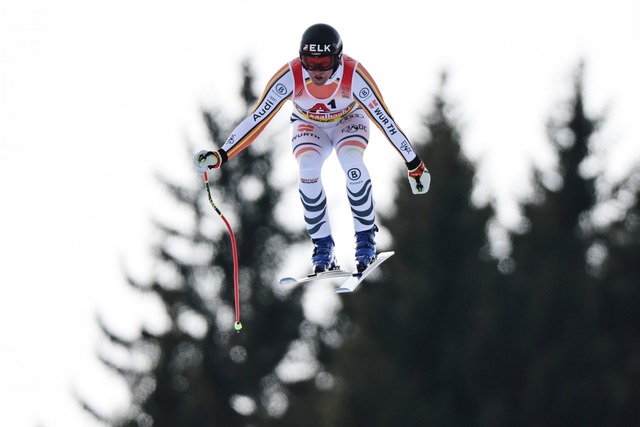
[234, 249]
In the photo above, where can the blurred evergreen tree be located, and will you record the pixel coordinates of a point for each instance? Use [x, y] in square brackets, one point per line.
[551, 373]
[199, 372]
[445, 338]
[406, 361]
[614, 259]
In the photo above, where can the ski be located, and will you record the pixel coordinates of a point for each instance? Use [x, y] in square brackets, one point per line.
[331, 274]
[352, 282]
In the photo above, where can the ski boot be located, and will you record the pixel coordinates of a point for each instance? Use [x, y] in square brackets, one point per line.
[323, 258]
[365, 248]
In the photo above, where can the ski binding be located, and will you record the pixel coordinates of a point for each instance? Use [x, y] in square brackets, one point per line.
[356, 278]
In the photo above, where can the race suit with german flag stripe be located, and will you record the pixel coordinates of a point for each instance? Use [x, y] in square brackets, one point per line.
[334, 116]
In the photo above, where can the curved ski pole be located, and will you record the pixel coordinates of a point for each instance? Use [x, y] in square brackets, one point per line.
[234, 249]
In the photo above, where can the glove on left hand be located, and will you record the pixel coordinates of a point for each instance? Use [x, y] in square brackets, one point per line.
[419, 179]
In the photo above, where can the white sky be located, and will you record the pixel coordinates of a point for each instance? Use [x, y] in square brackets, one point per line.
[95, 96]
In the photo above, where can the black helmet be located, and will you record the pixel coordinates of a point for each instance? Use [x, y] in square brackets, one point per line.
[321, 40]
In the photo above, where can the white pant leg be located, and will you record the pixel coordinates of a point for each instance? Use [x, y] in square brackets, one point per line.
[311, 147]
[351, 137]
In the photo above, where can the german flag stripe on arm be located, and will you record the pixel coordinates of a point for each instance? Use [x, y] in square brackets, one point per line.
[277, 76]
[368, 95]
[264, 111]
[362, 72]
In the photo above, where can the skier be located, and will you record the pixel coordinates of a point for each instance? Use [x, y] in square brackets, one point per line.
[334, 98]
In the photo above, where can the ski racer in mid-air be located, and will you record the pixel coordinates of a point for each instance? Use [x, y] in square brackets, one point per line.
[334, 101]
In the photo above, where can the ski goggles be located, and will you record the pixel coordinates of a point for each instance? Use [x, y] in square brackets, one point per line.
[319, 63]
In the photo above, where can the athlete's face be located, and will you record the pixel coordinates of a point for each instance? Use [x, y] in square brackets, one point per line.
[320, 77]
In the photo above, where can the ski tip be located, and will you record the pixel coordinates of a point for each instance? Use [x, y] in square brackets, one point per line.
[287, 280]
[341, 290]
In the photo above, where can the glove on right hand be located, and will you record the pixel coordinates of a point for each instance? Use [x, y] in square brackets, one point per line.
[205, 160]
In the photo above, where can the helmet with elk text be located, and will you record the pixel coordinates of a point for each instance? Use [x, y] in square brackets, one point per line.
[320, 48]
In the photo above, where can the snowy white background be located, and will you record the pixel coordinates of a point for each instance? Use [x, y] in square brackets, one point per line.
[96, 96]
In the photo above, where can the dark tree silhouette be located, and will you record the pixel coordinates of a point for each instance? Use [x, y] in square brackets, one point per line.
[199, 372]
[406, 360]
